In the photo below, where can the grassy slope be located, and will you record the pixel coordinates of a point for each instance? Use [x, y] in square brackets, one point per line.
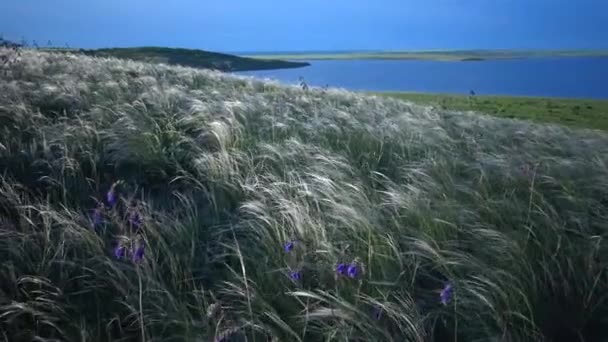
[194, 58]
[224, 171]
[572, 112]
[464, 55]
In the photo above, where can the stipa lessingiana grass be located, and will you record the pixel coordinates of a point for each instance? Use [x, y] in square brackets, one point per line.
[252, 211]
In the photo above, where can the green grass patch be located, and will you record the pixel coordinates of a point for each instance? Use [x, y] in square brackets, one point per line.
[571, 112]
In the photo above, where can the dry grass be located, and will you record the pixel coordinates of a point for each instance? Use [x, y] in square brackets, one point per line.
[224, 171]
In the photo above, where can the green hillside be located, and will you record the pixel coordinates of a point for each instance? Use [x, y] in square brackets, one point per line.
[178, 56]
[194, 58]
[147, 202]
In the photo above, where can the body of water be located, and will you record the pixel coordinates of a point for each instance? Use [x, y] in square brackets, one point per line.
[556, 77]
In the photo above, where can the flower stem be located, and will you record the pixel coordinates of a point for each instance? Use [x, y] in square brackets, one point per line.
[141, 310]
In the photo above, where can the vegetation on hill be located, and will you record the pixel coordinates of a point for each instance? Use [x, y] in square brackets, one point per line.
[161, 203]
[177, 56]
[8, 44]
[194, 58]
[585, 113]
[438, 55]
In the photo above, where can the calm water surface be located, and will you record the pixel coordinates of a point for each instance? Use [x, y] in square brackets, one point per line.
[558, 77]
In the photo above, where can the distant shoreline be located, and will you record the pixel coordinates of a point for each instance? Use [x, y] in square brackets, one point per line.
[465, 56]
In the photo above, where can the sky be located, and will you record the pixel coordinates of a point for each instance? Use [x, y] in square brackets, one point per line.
[310, 25]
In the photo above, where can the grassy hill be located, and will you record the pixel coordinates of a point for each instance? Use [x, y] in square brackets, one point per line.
[178, 56]
[193, 58]
[152, 202]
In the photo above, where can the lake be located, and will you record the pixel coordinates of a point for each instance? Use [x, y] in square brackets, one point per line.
[556, 77]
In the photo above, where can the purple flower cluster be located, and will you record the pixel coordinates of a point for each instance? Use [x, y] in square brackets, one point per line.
[289, 246]
[446, 293]
[120, 251]
[295, 275]
[137, 249]
[135, 219]
[341, 269]
[111, 199]
[351, 270]
[137, 252]
[112, 195]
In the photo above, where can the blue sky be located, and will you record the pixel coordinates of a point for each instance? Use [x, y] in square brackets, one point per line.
[287, 25]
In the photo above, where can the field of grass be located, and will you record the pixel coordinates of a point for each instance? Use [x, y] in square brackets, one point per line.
[191, 58]
[582, 113]
[145, 202]
[439, 55]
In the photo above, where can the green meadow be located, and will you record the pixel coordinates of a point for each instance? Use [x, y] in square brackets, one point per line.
[582, 113]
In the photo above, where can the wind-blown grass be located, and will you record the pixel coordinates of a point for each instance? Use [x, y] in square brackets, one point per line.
[249, 196]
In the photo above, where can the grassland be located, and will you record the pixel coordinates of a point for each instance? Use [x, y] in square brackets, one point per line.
[582, 113]
[146, 202]
[439, 55]
[190, 57]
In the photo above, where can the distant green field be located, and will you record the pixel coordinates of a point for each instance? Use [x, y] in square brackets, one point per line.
[461, 55]
[572, 112]
[191, 58]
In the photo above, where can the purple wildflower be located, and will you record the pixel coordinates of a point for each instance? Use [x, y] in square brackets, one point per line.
[120, 252]
[295, 275]
[341, 269]
[97, 217]
[135, 219]
[289, 246]
[138, 253]
[446, 293]
[112, 196]
[353, 271]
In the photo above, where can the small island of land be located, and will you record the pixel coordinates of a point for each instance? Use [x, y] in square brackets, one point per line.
[435, 55]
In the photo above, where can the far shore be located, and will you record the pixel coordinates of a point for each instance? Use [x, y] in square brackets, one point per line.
[463, 55]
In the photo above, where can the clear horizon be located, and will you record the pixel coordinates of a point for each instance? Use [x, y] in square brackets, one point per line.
[315, 25]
